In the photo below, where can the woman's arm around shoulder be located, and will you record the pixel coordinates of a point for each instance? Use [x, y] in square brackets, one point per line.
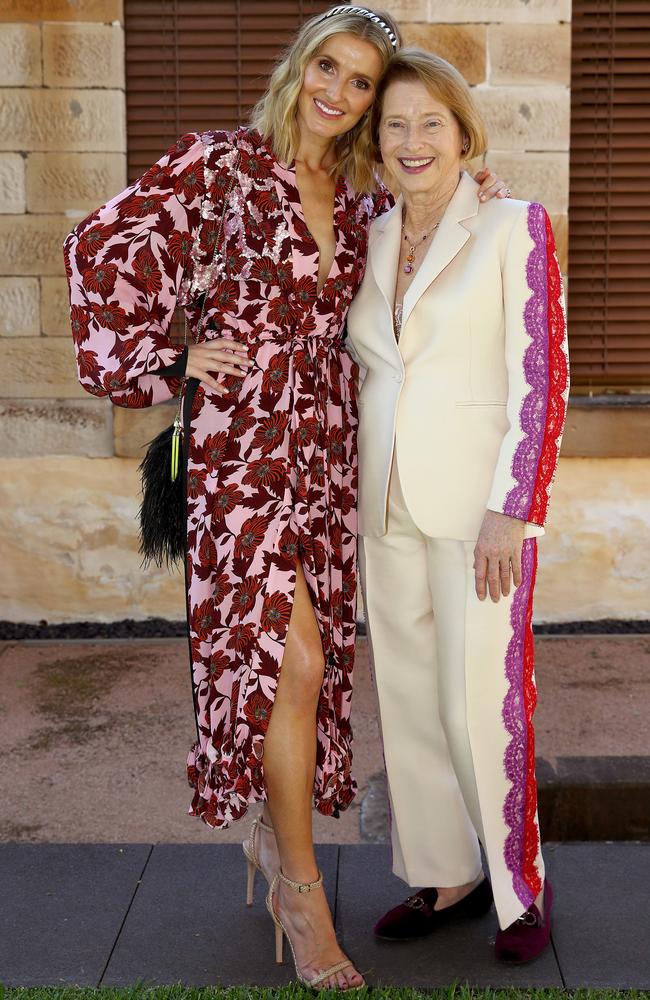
[125, 264]
[536, 358]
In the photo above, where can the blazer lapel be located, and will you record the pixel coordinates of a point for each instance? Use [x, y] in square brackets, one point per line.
[383, 252]
[450, 238]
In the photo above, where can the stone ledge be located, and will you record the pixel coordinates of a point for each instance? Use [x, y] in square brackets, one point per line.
[606, 431]
[581, 798]
[595, 798]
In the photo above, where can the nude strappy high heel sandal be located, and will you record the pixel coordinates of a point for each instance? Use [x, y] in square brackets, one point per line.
[281, 933]
[253, 862]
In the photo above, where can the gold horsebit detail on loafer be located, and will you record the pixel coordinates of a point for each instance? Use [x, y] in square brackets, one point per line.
[415, 902]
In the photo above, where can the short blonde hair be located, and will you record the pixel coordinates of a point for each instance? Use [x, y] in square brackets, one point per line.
[274, 116]
[443, 81]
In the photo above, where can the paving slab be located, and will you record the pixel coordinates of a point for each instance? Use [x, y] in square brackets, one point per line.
[63, 905]
[460, 953]
[189, 922]
[602, 923]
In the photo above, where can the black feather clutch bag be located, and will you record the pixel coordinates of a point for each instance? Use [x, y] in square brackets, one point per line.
[162, 512]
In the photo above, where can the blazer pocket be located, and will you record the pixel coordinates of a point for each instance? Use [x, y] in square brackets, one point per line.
[482, 402]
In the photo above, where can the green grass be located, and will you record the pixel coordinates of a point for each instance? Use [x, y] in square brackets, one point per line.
[141, 992]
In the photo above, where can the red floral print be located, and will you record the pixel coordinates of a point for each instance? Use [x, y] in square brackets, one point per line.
[252, 534]
[147, 271]
[180, 247]
[110, 315]
[100, 279]
[258, 709]
[271, 465]
[276, 612]
[244, 594]
[270, 432]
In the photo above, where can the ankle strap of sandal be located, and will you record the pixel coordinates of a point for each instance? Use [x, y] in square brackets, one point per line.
[301, 886]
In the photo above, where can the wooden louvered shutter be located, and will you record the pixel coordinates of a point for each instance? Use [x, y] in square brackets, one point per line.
[609, 200]
[193, 65]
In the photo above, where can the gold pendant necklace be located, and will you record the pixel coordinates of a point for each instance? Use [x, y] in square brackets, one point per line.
[410, 257]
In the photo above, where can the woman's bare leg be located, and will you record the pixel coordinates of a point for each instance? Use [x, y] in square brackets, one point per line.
[289, 766]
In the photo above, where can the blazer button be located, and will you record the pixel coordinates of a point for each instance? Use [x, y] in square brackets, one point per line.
[398, 378]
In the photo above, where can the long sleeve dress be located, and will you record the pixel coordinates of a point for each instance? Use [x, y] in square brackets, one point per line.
[270, 467]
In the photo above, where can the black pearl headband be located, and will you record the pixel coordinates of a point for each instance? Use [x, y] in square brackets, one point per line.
[363, 12]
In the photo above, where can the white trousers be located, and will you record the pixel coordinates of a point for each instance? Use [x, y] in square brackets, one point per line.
[456, 691]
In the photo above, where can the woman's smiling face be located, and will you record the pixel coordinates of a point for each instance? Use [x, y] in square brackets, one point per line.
[420, 138]
[339, 85]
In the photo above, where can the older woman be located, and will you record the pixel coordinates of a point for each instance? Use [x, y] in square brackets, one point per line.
[459, 326]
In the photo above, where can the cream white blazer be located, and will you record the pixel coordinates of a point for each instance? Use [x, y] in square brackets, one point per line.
[473, 399]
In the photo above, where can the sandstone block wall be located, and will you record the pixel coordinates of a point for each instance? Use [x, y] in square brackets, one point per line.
[62, 153]
[517, 56]
[68, 462]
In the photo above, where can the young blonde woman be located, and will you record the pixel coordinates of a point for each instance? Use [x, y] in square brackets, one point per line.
[261, 235]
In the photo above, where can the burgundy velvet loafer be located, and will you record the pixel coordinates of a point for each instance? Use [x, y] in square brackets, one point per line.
[528, 936]
[416, 917]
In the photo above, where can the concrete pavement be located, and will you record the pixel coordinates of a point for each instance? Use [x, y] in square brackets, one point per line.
[94, 735]
[117, 914]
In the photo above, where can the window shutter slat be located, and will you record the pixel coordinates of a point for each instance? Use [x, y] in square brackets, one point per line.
[609, 197]
[193, 65]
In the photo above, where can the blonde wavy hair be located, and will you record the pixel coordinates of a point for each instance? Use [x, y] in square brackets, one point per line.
[444, 82]
[275, 115]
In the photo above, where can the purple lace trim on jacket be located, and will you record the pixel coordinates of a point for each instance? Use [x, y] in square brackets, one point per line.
[514, 718]
[532, 417]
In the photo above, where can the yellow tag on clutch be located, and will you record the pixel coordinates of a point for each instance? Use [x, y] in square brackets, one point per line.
[176, 447]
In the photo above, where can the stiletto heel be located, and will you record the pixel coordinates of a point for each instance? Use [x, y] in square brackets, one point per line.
[253, 862]
[250, 882]
[281, 933]
[279, 945]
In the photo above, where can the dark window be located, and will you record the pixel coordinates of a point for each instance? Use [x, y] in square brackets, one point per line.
[193, 65]
[609, 199]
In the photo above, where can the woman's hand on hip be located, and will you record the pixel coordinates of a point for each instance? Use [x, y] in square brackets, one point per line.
[230, 357]
[497, 555]
[491, 185]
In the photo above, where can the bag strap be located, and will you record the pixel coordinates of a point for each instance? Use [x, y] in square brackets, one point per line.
[178, 420]
[217, 241]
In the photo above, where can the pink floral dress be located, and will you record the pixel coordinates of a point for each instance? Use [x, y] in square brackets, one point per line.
[270, 466]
